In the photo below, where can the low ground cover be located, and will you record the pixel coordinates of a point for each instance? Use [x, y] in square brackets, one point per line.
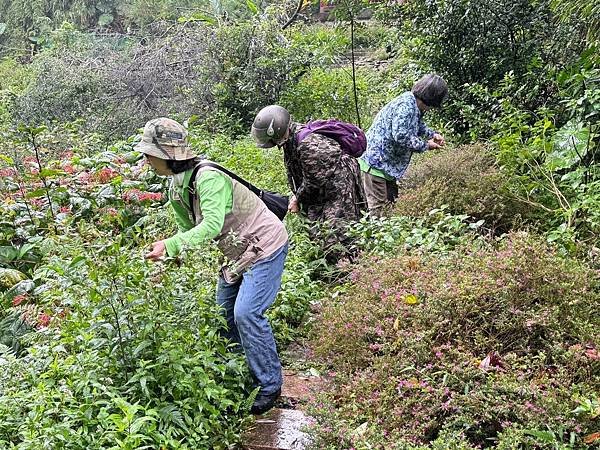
[491, 345]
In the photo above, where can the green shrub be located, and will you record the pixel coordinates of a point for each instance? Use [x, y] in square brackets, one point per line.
[128, 353]
[470, 42]
[372, 35]
[324, 43]
[328, 93]
[246, 77]
[552, 159]
[488, 346]
[437, 232]
[465, 179]
[14, 78]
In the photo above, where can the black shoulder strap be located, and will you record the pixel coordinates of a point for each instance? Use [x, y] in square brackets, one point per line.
[192, 185]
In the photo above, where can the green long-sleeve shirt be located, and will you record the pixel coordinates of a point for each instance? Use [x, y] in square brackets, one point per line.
[215, 193]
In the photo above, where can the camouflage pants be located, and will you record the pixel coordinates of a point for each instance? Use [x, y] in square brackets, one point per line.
[328, 229]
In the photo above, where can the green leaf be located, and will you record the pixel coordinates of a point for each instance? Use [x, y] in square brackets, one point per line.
[7, 159]
[10, 277]
[36, 193]
[139, 423]
[2, 28]
[143, 345]
[26, 128]
[8, 253]
[570, 144]
[82, 203]
[48, 173]
[252, 6]
[24, 249]
[77, 262]
[22, 287]
[105, 19]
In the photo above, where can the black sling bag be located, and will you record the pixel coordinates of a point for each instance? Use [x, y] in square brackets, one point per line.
[277, 203]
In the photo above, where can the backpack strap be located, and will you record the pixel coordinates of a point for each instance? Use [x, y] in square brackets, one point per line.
[192, 186]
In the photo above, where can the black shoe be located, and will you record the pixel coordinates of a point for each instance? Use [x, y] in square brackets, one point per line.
[264, 402]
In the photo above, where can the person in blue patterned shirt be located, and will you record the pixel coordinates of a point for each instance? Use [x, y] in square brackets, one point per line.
[396, 133]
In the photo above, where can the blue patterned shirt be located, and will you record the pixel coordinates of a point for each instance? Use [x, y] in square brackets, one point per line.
[395, 134]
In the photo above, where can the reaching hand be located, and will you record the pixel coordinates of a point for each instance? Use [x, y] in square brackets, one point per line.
[431, 144]
[157, 252]
[293, 205]
[439, 139]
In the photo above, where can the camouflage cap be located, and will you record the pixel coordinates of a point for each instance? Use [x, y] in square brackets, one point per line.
[165, 139]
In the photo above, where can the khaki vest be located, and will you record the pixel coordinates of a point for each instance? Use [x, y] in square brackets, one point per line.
[251, 232]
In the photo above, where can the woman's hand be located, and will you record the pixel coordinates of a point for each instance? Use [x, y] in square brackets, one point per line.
[431, 144]
[157, 252]
[439, 139]
[293, 205]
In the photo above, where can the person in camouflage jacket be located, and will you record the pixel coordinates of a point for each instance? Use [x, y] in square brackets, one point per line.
[325, 182]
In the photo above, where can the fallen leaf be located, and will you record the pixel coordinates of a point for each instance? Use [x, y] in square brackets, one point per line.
[411, 299]
[491, 360]
[397, 323]
[591, 438]
[361, 429]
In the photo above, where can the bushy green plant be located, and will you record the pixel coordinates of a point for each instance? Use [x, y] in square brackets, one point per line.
[373, 35]
[436, 232]
[585, 11]
[475, 45]
[467, 181]
[328, 93]
[323, 42]
[476, 348]
[245, 78]
[553, 159]
[132, 356]
[14, 77]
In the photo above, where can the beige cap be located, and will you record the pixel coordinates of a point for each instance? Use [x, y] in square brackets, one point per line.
[166, 139]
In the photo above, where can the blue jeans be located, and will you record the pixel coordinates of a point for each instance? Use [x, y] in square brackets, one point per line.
[244, 303]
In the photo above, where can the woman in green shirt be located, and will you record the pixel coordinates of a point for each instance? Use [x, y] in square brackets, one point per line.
[254, 241]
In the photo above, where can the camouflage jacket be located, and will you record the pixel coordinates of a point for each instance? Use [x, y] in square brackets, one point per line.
[326, 181]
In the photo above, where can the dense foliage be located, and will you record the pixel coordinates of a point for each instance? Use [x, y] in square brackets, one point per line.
[464, 180]
[99, 347]
[446, 333]
[493, 344]
[476, 45]
[28, 26]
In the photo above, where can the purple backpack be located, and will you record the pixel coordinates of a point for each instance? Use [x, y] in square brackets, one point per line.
[352, 139]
